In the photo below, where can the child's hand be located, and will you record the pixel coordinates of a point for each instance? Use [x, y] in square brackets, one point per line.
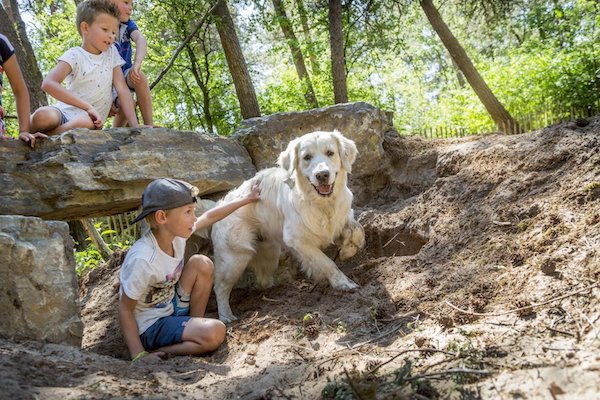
[95, 117]
[30, 137]
[148, 358]
[135, 73]
[255, 191]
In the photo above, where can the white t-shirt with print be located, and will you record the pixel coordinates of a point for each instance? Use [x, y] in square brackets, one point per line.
[91, 79]
[149, 275]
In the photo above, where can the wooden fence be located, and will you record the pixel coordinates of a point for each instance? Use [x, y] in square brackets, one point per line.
[118, 227]
[527, 122]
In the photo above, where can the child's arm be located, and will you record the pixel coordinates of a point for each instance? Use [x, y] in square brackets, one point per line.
[129, 327]
[125, 100]
[218, 213]
[52, 85]
[141, 48]
[19, 88]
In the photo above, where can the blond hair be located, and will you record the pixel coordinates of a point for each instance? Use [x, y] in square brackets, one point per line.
[88, 10]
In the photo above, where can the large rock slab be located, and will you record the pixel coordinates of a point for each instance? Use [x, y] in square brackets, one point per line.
[39, 296]
[84, 173]
[265, 137]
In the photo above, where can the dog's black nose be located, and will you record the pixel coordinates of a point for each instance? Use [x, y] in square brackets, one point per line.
[322, 176]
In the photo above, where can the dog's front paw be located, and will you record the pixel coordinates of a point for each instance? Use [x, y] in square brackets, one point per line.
[342, 282]
[353, 239]
[227, 319]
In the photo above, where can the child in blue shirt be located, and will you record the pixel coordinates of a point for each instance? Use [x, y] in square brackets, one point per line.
[135, 78]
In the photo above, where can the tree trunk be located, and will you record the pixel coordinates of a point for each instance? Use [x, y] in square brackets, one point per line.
[314, 64]
[338, 62]
[203, 85]
[459, 76]
[288, 32]
[88, 225]
[236, 62]
[13, 27]
[78, 234]
[501, 117]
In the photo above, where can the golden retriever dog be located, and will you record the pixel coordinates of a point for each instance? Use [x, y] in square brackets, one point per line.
[305, 206]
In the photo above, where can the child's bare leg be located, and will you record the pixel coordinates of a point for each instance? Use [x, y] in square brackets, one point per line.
[200, 335]
[45, 119]
[197, 280]
[120, 119]
[144, 99]
[78, 122]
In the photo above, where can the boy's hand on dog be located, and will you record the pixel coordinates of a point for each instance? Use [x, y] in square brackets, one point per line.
[150, 358]
[255, 191]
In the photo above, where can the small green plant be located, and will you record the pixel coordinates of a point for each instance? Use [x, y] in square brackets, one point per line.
[523, 225]
[341, 328]
[403, 372]
[308, 319]
[299, 333]
[87, 259]
[590, 187]
[337, 391]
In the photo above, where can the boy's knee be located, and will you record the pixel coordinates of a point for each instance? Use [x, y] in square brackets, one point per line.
[203, 265]
[217, 336]
[211, 336]
[142, 82]
[44, 118]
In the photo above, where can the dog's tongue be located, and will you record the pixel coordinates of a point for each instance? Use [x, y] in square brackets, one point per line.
[324, 189]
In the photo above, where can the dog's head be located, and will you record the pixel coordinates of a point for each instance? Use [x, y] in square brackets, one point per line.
[319, 157]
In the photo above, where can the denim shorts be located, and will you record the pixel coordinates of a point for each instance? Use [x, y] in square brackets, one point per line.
[167, 330]
[63, 117]
[164, 332]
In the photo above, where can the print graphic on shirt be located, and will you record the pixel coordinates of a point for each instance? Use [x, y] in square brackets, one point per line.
[160, 294]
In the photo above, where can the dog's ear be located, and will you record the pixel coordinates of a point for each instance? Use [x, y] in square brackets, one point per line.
[288, 159]
[347, 150]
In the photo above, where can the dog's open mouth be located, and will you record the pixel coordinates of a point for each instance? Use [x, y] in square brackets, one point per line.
[324, 190]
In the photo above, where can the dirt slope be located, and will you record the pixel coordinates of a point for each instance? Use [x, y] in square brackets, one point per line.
[486, 224]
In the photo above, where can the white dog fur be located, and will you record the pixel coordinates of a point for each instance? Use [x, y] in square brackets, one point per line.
[305, 205]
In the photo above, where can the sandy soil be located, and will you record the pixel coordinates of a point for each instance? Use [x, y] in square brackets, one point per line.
[504, 228]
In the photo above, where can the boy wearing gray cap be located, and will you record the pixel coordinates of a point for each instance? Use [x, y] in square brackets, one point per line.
[161, 300]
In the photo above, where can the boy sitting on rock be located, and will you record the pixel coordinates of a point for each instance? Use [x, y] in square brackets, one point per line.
[90, 71]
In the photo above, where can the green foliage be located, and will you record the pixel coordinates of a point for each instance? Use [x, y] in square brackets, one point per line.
[337, 391]
[403, 372]
[90, 258]
[87, 260]
[534, 55]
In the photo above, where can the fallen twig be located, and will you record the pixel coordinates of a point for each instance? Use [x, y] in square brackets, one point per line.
[391, 240]
[502, 223]
[523, 308]
[556, 349]
[430, 350]
[561, 332]
[398, 326]
[265, 298]
[450, 371]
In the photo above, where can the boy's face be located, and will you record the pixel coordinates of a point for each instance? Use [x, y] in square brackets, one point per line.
[100, 34]
[180, 221]
[125, 8]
